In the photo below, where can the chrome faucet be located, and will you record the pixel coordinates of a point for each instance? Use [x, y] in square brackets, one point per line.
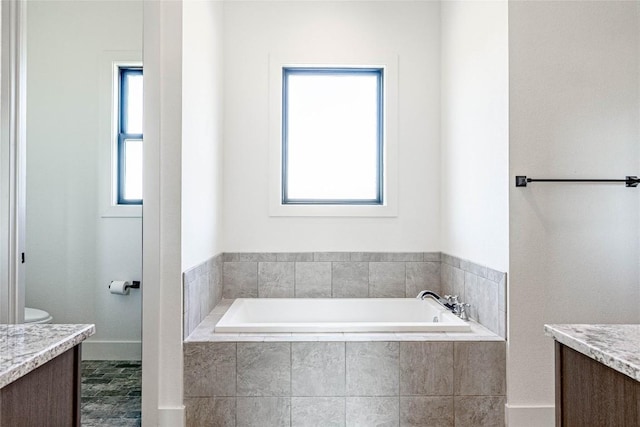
[450, 302]
[437, 298]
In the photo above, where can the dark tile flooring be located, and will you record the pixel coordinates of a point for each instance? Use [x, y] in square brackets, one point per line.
[111, 393]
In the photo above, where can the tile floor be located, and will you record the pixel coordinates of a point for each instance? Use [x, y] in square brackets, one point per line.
[111, 393]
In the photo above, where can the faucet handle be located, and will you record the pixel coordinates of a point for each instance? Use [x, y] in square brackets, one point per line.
[451, 299]
[462, 311]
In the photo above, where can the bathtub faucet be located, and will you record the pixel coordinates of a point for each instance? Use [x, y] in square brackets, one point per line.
[450, 302]
[445, 302]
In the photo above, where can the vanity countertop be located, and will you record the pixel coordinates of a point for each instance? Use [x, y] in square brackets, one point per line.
[615, 346]
[24, 348]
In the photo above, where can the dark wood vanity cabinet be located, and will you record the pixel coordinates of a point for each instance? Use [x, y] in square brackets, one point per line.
[590, 394]
[47, 396]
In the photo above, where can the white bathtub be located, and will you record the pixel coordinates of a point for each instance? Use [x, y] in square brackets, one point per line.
[338, 315]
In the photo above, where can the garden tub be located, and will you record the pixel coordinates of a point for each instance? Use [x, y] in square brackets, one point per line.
[339, 315]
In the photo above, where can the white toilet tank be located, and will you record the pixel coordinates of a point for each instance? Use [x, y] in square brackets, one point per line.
[34, 315]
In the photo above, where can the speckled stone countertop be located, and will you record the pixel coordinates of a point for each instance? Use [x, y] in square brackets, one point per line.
[204, 332]
[615, 346]
[23, 348]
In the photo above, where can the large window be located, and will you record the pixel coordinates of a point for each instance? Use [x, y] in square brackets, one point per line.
[332, 136]
[129, 147]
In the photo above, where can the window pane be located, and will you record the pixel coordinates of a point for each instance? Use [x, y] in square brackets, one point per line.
[133, 102]
[332, 136]
[132, 187]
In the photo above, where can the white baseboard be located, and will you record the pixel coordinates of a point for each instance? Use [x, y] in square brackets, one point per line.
[530, 416]
[111, 350]
[171, 417]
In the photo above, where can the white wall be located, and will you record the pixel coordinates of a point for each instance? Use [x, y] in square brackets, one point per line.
[255, 30]
[475, 139]
[73, 252]
[574, 107]
[202, 104]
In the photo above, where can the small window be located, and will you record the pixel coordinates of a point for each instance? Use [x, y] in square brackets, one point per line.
[332, 136]
[129, 173]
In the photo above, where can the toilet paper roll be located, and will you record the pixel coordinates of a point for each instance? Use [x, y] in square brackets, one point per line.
[119, 287]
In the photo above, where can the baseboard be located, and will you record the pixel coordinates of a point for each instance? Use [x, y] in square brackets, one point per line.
[171, 417]
[530, 416]
[111, 350]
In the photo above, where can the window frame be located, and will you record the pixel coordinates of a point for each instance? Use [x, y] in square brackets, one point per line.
[122, 136]
[273, 197]
[378, 72]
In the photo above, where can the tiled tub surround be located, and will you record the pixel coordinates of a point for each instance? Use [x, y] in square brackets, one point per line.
[348, 379]
[344, 275]
[330, 274]
[483, 288]
[202, 287]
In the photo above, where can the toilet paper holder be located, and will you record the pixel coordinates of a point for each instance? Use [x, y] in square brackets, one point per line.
[135, 284]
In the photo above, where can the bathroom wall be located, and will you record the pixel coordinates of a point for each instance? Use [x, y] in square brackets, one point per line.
[73, 250]
[574, 103]
[202, 113]
[475, 139]
[256, 31]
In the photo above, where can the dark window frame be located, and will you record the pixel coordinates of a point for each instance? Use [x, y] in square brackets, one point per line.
[376, 71]
[123, 136]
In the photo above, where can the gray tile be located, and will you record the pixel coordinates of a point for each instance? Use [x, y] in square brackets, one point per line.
[318, 368]
[432, 256]
[194, 317]
[313, 280]
[473, 411]
[479, 368]
[264, 369]
[263, 411]
[218, 411]
[451, 260]
[472, 267]
[217, 278]
[502, 324]
[446, 279]
[423, 411]
[422, 275]
[275, 279]
[331, 256]
[186, 326]
[386, 256]
[350, 279]
[386, 280]
[494, 275]
[240, 279]
[458, 283]
[472, 294]
[426, 368]
[317, 411]
[209, 369]
[205, 303]
[110, 393]
[373, 411]
[249, 256]
[372, 368]
[294, 256]
[189, 275]
[484, 300]
[502, 293]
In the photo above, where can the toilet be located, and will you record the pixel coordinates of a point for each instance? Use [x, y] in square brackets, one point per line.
[34, 315]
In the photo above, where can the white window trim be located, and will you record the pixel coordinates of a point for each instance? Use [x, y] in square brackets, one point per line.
[389, 208]
[110, 62]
